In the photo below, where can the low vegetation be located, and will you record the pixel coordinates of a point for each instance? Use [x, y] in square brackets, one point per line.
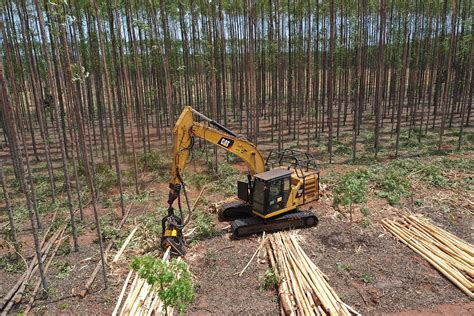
[268, 281]
[172, 280]
[106, 177]
[349, 190]
[204, 227]
[157, 163]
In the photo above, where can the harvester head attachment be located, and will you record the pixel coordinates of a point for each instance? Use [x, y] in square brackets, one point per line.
[172, 236]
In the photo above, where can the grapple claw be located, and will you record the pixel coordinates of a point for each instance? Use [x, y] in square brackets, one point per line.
[172, 235]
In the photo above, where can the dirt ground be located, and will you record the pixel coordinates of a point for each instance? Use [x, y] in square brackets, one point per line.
[216, 264]
[376, 275]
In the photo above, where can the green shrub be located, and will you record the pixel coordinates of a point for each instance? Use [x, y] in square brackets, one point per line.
[106, 177]
[225, 180]
[269, 280]
[20, 212]
[155, 162]
[460, 164]
[108, 230]
[343, 266]
[64, 269]
[433, 175]
[12, 263]
[231, 158]
[342, 149]
[392, 184]
[172, 280]
[364, 211]
[199, 179]
[350, 189]
[418, 202]
[366, 278]
[205, 227]
[151, 221]
[365, 222]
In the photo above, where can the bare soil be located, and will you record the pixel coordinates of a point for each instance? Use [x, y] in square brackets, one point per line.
[462, 309]
[216, 264]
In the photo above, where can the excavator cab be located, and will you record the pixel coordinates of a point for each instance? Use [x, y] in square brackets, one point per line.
[271, 190]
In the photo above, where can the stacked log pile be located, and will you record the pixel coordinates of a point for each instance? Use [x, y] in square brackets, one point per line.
[450, 255]
[303, 289]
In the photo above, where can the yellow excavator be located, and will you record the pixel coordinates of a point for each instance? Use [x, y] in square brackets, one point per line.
[276, 187]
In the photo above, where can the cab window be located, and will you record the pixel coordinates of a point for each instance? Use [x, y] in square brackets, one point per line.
[275, 196]
[259, 196]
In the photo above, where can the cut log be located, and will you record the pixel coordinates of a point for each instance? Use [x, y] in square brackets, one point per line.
[303, 288]
[447, 253]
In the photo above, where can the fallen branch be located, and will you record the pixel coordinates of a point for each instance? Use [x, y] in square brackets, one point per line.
[122, 293]
[264, 239]
[15, 295]
[129, 238]
[17, 290]
[188, 217]
[38, 283]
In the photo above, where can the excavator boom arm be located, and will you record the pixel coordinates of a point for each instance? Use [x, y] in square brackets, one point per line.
[184, 132]
[186, 129]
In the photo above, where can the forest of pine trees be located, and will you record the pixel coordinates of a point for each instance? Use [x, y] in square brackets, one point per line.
[89, 81]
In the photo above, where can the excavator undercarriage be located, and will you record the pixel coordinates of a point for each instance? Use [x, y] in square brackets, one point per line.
[245, 224]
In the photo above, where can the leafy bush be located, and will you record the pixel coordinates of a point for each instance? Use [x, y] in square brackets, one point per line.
[343, 266]
[342, 149]
[20, 212]
[106, 177]
[156, 162]
[392, 184]
[205, 227]
[12, 263]
[350, 189]
[225, 181]
[433, 175]
[460, 164]
[108, 230]
[366, 278]
[365, 222]
[269, 280]
[231, 158]
[151, 222]
[199, 179]
[172, 280]
[64, 269]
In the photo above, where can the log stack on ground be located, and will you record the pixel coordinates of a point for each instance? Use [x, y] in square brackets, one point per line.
[303, 289]
[450, 255]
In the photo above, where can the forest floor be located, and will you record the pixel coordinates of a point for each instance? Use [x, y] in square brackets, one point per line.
[375, 274]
